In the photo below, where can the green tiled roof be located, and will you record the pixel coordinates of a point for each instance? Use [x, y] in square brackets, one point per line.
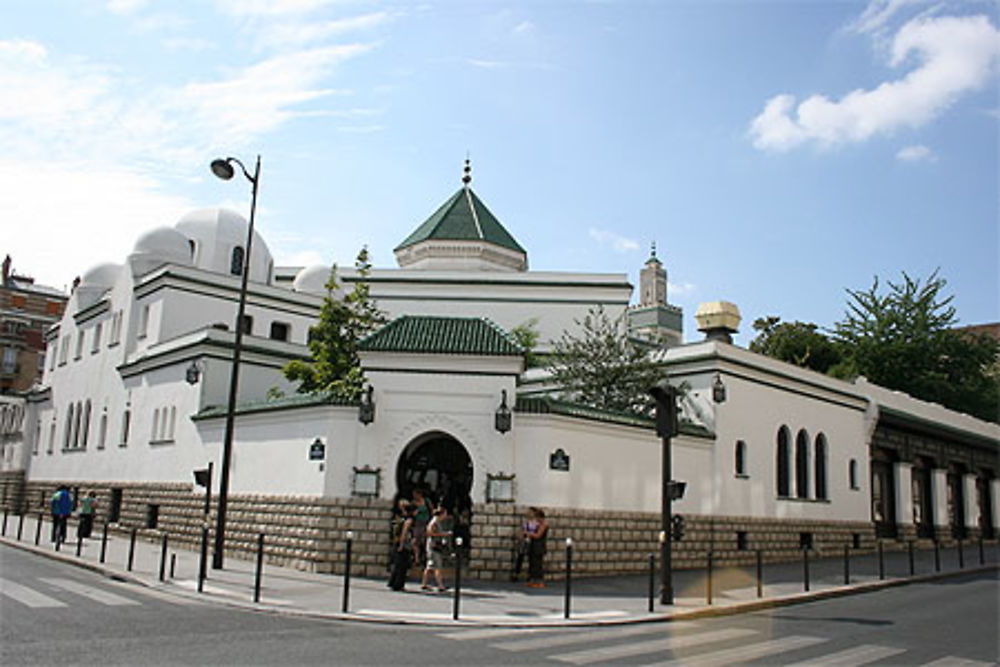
[545, 405]
[284, 403]
[442, 335]
[463, 217]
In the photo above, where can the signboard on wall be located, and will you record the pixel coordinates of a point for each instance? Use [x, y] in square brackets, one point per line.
[317, 450]
[559, 460]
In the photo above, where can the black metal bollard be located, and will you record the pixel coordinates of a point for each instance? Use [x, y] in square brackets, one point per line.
[79, 545]
[163, 558]
[173, 565]
[805, 568]
[760, 574]
[909, 548]
[847, 565]
[881, 562]
[569, 574]
[937, 556]
[982, 556]
[961, 555]
[347, 571]
[104, 542]
[708, 579]
[652, 580]
[4, 522]
[20, 526]
[260, 568]
[38, 530]
[204, 559]
[458, 578]
[131, 549]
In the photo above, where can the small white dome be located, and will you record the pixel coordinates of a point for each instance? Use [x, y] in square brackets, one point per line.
[313, 279]
[95, 283]
[216, 234]
[157, 247]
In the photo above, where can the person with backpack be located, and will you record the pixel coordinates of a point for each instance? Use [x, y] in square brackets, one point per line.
[62, 507]
[88, 506]
[438, 539]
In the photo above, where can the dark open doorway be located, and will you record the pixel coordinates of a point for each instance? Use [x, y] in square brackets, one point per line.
[439, 465]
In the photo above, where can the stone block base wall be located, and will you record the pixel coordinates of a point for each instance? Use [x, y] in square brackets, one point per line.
[309, 533]
[11, 489]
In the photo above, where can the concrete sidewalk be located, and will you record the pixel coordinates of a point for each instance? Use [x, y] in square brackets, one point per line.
[594, 601]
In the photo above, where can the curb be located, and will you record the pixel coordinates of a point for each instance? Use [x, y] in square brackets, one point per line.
[663, 617]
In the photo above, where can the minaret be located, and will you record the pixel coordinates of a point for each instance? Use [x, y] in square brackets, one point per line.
[653, 281]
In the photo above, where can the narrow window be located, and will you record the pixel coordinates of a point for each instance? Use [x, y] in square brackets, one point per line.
[820, 457]
[126, 423]
[86, 425]
[143, 321]
[741, 458]
[76, 426]
[193, 247]
[115, 506]
[103, 435]
[236, 263]
[783, 471]
[802, 465]
[68, 438]
[247, 325]
[741, 540]
[172, 423]
[156, 423]
[852, 473]
[38, 438]
[52, 357]
[152, 515]
[52, 435]
[279, 331]
[96, 346]
[79, 346]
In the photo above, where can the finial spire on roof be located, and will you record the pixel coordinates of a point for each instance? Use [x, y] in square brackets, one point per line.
[652, 250]
[467, 171]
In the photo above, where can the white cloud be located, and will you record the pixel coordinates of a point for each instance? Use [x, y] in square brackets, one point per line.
[955, 55]
[682, 288]
[878, 14]
[125, 6]
[272, 7]
[915, 153]
[619, 243]
[188, 44]
[297, 257]
[299, 34]
[524, 27]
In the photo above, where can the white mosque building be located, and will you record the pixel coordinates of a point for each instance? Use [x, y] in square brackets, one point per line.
[775, 457]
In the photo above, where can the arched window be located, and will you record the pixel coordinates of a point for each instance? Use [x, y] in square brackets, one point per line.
[76, 427]
[172, 423]
[852, 473]
[802, 465]
[783, 463]
[86, 425]
[741, 458]
[52, 435]
[102, 437]
[69, 428]
[236, 263]
[820, 464]
[156, 425]
[192, 246]
[126, 425]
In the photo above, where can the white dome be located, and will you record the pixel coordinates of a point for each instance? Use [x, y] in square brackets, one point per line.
[95, 282]
[313, 280]
[216, 233]
[157, 247]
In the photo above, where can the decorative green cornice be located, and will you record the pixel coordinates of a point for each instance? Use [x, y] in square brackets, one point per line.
[285, 403]
[423, 334]
[544, 405]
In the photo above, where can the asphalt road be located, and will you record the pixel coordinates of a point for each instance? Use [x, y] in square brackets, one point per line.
[56, 614]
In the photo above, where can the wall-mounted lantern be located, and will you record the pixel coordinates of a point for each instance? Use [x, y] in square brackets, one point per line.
[366, 412]
[502, 418]
[367, 482]
[718, 389]
[193, 373]
[500, 488]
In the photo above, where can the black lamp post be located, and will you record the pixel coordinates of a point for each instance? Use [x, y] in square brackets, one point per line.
[666, 427]
[224, 170]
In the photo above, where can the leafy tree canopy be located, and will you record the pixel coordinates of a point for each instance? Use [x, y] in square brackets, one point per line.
[526, 335]
[798, 343]
[602, 367]
[902, 337]
[333, 340]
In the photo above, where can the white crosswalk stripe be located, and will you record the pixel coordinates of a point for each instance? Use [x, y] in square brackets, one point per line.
[747, 652]
[27, 596]
[857, 655]
[653, 646]
[950, 661]
[493, 633]
[582, 637]
[90, 592]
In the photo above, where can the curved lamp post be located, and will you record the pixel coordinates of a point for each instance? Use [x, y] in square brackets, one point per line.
[224, 170]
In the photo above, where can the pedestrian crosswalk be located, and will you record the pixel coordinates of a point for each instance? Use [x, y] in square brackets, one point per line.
[56, 592]
[686, 643]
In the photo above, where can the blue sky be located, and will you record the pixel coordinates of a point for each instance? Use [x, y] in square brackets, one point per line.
[777, 152]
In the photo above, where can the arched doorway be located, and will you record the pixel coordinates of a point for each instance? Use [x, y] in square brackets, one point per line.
[439, 465]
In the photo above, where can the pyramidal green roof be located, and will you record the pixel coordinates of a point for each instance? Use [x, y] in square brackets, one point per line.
[464, 217]
[442, 335]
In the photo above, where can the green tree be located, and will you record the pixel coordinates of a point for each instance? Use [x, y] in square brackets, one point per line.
[902, 338]
[526, 335]
[333, 340]
[799, 343]
[602, 367]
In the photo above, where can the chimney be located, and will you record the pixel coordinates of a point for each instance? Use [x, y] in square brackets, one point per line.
[6, 269]
[718, 320]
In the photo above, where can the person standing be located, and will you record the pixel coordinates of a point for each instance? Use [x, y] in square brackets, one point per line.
[421, 517]
[62, 507]
[523, 541]
[438, 532]
[537, 548]
[403, 550]
[88, 507]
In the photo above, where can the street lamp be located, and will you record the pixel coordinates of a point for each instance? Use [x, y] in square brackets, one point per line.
[224, 170]
[667, 426]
